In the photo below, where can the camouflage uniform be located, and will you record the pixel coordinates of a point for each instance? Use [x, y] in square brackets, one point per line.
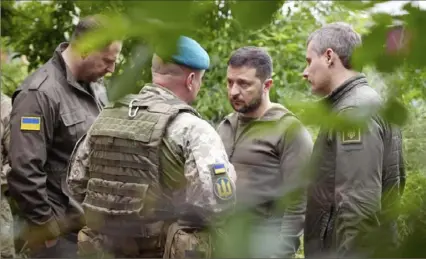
[187, 169]
[6, 223]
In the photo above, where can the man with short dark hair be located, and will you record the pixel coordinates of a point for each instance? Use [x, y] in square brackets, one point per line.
[52, 109]
[269, 148]
[359, 176]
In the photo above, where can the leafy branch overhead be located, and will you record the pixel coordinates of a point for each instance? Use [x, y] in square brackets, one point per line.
[221, 26]
[392, 55]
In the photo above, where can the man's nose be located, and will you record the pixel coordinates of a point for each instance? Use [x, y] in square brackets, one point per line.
[234, 91]
[305, 74]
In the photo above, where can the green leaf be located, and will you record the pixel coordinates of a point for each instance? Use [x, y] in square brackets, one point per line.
[394, 112]
[253, 14]
[373, 50]
[132, 73]
[233, 239]
[360, 5]
[415, 23]
[114, 27]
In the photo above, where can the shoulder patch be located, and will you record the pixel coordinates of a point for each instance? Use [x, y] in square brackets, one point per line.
[30, 123]
[219, 169]
[223, 189]
[352, 136]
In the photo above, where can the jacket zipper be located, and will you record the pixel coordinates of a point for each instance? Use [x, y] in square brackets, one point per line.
[327, 227]
[233, 145]
[235, 140]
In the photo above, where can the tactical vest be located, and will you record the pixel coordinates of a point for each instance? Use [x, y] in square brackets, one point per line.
[124, 192]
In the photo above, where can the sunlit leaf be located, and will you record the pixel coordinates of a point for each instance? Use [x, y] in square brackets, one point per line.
[320, 115]
[360, 5]
[126, 83]
[113, 27]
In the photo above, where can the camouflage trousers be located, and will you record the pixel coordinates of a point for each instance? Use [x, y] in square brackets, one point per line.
[6, 227]
[180, 242]
[96, 245]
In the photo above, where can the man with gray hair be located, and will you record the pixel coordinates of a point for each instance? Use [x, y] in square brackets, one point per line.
[359, 173]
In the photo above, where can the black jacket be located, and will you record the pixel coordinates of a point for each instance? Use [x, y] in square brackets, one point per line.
[60, 111]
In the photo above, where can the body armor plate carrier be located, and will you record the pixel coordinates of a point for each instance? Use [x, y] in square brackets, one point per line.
[124, 193]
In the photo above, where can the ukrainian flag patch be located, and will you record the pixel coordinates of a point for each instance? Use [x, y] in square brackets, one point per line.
[219, 169]
[30, 123]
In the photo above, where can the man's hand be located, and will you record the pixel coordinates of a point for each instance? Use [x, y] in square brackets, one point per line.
[51, 243]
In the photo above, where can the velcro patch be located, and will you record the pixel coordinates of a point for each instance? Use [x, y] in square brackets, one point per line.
[219, 169]
[352, 136]
[30, 123]
[223, 188]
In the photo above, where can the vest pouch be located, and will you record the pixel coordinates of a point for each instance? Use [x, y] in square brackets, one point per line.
[115, 208]
[187, 242]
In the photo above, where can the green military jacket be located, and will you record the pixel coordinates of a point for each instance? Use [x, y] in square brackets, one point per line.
[358, 175]
[270, 154]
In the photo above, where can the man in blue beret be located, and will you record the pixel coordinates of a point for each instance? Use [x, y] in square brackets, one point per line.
[151, 175]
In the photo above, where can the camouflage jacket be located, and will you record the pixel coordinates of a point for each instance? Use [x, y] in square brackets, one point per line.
[198, 148]
[6, 108]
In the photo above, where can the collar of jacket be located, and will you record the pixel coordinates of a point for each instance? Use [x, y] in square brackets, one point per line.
[158, 90]
[155, 89]
[274, 113]
[345, 87]
[58, 59]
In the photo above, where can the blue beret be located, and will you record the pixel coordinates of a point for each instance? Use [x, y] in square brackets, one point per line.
[191, 54]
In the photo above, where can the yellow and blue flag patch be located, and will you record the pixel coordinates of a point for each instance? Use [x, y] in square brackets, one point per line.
[219, 169]
[30, 123]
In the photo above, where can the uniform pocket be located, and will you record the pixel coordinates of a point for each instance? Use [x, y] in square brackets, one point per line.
[73, 117]
[183, 242]
[75, 125]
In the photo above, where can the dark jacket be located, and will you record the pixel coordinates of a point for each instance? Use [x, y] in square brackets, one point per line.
[358, 179]
[61, 111]
[269, 155]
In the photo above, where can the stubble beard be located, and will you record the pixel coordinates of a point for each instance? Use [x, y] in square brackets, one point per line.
[251, 107]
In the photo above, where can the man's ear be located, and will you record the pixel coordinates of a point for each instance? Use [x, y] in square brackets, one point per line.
[190, 80]
[330, 56]
[268, 84]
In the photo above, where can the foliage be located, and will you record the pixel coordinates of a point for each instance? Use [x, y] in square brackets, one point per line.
[12, 73]
[30, 19]
[398, 71]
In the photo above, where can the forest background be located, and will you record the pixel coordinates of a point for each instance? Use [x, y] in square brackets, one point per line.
[395, 66]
